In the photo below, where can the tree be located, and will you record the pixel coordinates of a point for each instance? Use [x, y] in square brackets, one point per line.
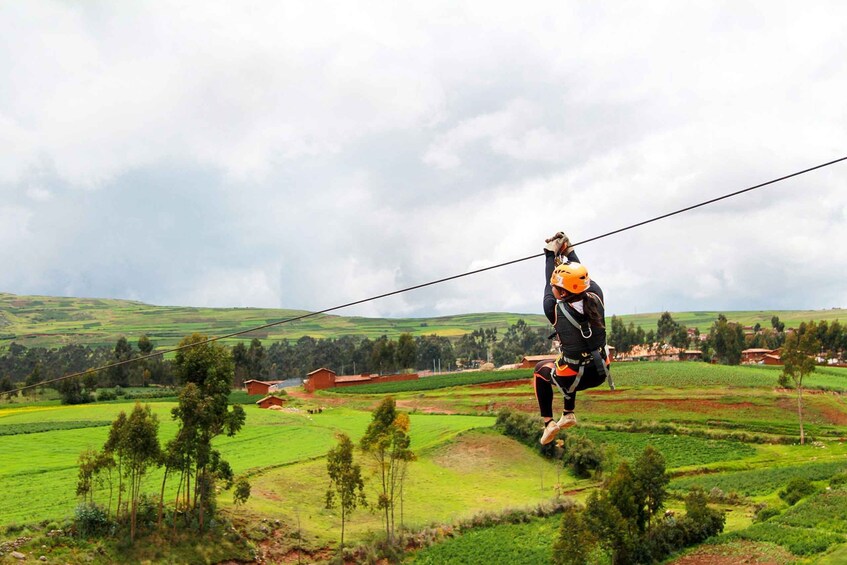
[241, 492]
[33, 380]
[387, 441]
[666, 326]
[240, 362]
[575, 540]
[383, 355]
[798, 357]
[6, 385]
[72, 392]
[119, 375]
[407, 351]
[206, 371]
[145, 346]
[727, 339]
[140, 445]
[256, 360]
[679, 338]
[582, 455]
[651, 480]
[345, 480]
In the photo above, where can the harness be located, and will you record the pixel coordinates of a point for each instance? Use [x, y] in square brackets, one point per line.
[586, 358]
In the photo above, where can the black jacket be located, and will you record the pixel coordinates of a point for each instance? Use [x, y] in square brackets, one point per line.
[570, 338]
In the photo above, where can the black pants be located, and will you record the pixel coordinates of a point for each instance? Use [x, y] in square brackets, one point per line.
[545, 389]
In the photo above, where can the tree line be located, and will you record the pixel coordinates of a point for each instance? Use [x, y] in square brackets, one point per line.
[22, 366]
[726, 339]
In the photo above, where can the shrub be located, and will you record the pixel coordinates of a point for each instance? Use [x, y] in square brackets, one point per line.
[796, 489]
[91, 520]
[838, 480]
[765, 513]
[582, 456]
[104, 395]
[523, 428]
[700, 522]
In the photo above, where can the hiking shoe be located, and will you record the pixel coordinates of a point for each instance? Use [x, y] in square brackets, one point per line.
[566, 421]
[550, 431]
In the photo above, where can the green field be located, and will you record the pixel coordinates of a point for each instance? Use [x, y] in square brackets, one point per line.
[724, 428]
[43, 321]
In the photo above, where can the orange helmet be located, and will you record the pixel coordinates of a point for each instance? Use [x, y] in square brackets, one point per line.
[573, 277]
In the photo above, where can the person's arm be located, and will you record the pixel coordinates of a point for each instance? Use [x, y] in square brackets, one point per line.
[549, 299]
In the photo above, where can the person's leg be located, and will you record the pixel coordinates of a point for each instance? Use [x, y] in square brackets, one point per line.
[543, 389]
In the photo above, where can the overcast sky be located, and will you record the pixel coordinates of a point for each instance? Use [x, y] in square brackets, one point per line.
[303, 155]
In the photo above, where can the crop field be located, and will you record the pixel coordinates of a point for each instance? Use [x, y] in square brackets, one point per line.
[518, 544]
[759, 482]
[679, 451]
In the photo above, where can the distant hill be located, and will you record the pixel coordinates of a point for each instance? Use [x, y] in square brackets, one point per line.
[43, 321]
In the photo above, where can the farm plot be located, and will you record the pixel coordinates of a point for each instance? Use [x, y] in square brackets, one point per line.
[760, 482]
[679, 451]
[509, 544]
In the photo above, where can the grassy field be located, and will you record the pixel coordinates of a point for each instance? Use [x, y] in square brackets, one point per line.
[726, 428]
[44, 321]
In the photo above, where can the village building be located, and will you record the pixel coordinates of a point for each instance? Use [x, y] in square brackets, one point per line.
[691, 355]
[529, 361]
[754, 356]
[322, 379]
[257, 387]
[269, 401]
[659, 352]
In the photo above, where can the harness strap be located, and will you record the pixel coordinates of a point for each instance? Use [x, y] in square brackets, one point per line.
[599, 361]
[572, 388]
[573, 322]
[602, 369]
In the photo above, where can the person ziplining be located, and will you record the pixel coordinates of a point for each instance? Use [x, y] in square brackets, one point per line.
[574, 305]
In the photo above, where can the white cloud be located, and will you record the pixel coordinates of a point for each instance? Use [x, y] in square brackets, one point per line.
[236, 156]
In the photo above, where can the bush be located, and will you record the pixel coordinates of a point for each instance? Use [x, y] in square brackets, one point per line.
[91, 520]
[523, 428]
[104, 395]
[838, 480]
[796, 489]
[700, 522]
[765, 513]
[582, 456]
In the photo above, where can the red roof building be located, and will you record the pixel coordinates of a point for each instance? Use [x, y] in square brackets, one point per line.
[257, 387]
[269, 401]
[754, 355]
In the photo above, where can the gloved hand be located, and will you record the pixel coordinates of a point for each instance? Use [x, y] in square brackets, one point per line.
[559, 244]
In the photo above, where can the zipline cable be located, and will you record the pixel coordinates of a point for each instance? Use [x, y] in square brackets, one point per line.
[430, 283]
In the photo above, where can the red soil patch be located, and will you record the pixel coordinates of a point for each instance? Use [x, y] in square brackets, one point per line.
[324, 400]
[423, 407]
[507, 384]
[529, 405]
[833, 415]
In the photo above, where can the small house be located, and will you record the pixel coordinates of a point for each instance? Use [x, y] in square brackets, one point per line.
[319, 379]
[257, 387]
[269, 401]
[529, 361]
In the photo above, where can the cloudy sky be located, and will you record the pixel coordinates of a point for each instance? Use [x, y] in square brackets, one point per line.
[307, 154]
